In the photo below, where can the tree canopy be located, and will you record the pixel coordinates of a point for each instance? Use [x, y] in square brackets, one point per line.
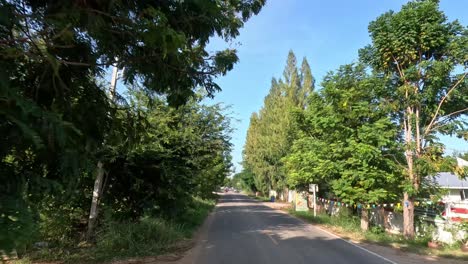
[346, 141]
[57, 121]
[426, 57]
[370, 133]
[270, 134]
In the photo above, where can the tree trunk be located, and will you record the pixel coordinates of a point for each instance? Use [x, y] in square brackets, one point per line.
[387, 225]
[364, 219]
[381, 217]
[408, 216]
[408, 209]
[93, 213]
[285, 194]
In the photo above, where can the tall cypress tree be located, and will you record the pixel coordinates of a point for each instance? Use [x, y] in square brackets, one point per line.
[307, 83]
[270, 134]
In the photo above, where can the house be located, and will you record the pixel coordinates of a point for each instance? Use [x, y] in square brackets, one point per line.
[456, 198]
[457, 188]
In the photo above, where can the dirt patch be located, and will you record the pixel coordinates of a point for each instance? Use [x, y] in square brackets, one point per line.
[279, 205]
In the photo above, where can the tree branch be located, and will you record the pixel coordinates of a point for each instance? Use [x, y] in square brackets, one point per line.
[433, 120]
[451, 114]
[13, 41]
[402, 75]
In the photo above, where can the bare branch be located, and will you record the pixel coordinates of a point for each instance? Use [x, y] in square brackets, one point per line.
[433, 120]
[75, 63]
[12, 41]
[402, 75]
[451, 114]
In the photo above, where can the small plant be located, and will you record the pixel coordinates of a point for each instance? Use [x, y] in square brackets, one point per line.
[377, 230]
[464, 238]
[431, 234]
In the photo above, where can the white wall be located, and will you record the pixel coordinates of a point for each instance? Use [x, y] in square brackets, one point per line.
[291, 196]
[454, 195]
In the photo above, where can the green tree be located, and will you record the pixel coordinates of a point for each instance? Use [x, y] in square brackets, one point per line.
[426, 57]
[252, 156]
[247, 180]
[55, 115]
[307, 85]
[346, 141]
[270, 133]
[181, 152]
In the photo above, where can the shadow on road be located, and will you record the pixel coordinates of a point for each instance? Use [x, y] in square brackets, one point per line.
[244, 230]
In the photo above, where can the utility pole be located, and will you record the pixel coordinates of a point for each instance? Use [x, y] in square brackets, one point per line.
[113, 83]
[98, 182]
[315, 204]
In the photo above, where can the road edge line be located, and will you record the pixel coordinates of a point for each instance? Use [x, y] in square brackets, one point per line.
[352, 243]
[334, 235]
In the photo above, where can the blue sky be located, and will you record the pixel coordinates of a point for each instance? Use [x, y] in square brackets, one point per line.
[329, 33]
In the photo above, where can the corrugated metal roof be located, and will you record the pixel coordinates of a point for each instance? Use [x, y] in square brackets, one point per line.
[450, 180]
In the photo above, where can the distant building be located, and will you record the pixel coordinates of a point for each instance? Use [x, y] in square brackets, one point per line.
[457, 189]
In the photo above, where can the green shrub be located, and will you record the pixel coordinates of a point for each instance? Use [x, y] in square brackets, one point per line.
[346, 220]
[148, 236]
[194, 214]
[377, 230]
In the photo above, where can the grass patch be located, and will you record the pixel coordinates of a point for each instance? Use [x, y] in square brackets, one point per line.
[147, 236]
[348, 227]
[260, 198]
[345, 222]
[195, 214]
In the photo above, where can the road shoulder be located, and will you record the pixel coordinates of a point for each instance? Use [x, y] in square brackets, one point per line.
[387, 252]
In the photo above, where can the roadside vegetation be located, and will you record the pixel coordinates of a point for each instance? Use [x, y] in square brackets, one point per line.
[146, 236]
[348, 227]
[368, 133]
[91, 171]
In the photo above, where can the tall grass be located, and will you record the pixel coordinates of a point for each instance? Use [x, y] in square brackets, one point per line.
[195, 214]
[260, 198]
[150, 236]
[147, 236]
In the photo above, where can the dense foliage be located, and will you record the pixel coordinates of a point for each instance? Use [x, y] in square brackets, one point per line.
[427, 58]
[57, 123]
[346, 140]
[370, 133]
[180, 152]
[271, 131]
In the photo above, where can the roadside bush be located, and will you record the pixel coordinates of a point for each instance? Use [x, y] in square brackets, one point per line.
[346, 220]
[62, 223]
[195, 213]
[148, 236]
[377, 230]
[343, 219]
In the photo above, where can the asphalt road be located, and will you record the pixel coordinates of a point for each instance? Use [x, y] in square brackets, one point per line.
[242, 230]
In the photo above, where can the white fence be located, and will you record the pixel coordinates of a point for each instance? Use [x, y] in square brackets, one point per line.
[445, 228]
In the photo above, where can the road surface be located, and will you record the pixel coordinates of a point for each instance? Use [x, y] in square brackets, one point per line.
[242, 230]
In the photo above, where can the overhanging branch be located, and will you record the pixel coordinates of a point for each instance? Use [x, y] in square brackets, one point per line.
[433, 120]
